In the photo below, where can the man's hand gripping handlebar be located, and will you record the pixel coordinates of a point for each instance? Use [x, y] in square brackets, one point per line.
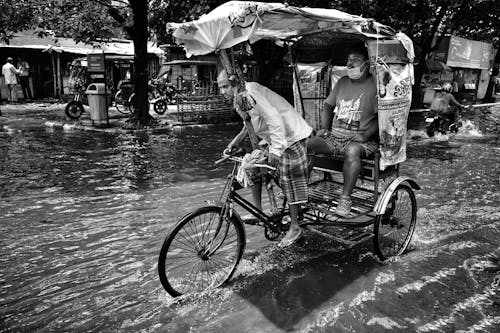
[235, 155]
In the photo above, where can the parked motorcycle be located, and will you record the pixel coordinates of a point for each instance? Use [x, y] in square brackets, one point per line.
[74, 108]
[168, 95]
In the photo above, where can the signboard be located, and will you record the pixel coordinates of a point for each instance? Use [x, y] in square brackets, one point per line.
[468, 53]
[96, 63]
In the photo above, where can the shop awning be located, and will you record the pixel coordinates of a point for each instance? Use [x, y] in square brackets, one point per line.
[439, 66]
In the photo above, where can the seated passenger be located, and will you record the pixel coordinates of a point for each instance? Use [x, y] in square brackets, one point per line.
[349, 125]
[285, 131]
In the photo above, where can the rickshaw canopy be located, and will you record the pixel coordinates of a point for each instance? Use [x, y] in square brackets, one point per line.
[318, 37]
[235, 22]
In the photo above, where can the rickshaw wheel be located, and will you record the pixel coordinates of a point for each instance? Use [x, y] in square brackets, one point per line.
[160, 106]
[74, 109]
[394, 229]
[201, 252]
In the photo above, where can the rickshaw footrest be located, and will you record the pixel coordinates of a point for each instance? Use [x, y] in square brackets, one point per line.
[354, 240]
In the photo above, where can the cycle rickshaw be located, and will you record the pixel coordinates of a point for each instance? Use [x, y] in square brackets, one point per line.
[203, 250]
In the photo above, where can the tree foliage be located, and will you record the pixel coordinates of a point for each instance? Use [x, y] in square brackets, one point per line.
[424, 21]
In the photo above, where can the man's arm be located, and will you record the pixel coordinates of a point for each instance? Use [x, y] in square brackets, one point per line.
[327, 117]
[14, 70]
[454, 102]
[369, 132]
[237, 139]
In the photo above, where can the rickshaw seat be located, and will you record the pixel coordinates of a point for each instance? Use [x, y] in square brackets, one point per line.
[369, 165]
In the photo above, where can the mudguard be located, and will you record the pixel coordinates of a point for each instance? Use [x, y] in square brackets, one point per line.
[383, 200]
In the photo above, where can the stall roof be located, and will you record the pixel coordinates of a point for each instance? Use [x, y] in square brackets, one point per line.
[29, 40]
[237, 21]
[191, 62]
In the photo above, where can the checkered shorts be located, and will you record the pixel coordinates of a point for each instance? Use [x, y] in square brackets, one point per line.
[292, 170]
[339, 138]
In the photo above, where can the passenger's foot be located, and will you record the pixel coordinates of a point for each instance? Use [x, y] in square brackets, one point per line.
[291, 237]
[344, 206]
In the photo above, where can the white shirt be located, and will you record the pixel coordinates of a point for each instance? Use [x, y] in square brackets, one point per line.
[9, 72]
[274, 119]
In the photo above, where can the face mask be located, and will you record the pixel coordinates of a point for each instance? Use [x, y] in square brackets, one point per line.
[356, 72]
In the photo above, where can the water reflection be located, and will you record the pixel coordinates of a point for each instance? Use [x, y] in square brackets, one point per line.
[84, 215]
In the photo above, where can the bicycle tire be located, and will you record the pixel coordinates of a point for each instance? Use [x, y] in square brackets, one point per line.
[184, 266]
[74, 109]
[131, 103]
[394, 230]
[120, 104]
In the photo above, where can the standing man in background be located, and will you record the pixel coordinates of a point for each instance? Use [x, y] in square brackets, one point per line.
[9, 73]
[24, 78]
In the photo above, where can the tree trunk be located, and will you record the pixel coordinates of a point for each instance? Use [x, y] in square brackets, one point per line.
[141, 116]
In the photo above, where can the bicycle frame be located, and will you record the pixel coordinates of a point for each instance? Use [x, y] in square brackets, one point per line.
[230, 196]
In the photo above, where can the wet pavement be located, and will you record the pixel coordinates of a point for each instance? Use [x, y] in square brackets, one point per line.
[84, 214]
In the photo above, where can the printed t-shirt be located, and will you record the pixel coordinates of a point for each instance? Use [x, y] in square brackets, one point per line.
[355, 103]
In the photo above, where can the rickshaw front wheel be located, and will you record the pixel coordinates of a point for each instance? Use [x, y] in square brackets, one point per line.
[201, 252]
[74, 109]
[394, 229]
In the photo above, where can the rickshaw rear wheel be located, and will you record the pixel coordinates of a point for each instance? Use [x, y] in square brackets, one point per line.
[74, 109]
[201, 252]
[394, 229]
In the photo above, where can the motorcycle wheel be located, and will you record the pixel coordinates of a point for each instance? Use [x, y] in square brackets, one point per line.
[160, 106]
[74, 109]
[430, 131]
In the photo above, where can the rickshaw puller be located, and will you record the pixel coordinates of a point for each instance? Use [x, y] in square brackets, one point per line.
[275, 121]
[349, 124]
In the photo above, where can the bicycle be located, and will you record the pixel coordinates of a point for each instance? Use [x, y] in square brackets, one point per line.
[217, 235]
[122, 97]
[204, 248]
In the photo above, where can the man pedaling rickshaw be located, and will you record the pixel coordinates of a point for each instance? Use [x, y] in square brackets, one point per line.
[284, 130]
[349, 125]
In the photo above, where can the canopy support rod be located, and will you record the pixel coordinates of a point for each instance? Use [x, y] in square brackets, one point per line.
[297, 81]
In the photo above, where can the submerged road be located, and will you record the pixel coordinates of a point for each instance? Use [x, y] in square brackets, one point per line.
[83, 216]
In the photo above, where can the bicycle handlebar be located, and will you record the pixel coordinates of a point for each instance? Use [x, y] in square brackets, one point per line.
[240, 159]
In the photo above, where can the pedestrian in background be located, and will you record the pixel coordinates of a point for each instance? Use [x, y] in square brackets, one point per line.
[9, 73]
[24, 78]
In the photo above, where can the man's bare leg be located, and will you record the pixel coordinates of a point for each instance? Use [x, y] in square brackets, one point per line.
[352, 167]
[316, 145]
[294, 232]
[257, 195]
[351, 170]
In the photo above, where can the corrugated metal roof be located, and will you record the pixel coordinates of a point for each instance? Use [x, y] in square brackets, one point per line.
[29, 40]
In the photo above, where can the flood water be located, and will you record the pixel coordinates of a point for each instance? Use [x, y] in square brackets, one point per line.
[83, 216]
